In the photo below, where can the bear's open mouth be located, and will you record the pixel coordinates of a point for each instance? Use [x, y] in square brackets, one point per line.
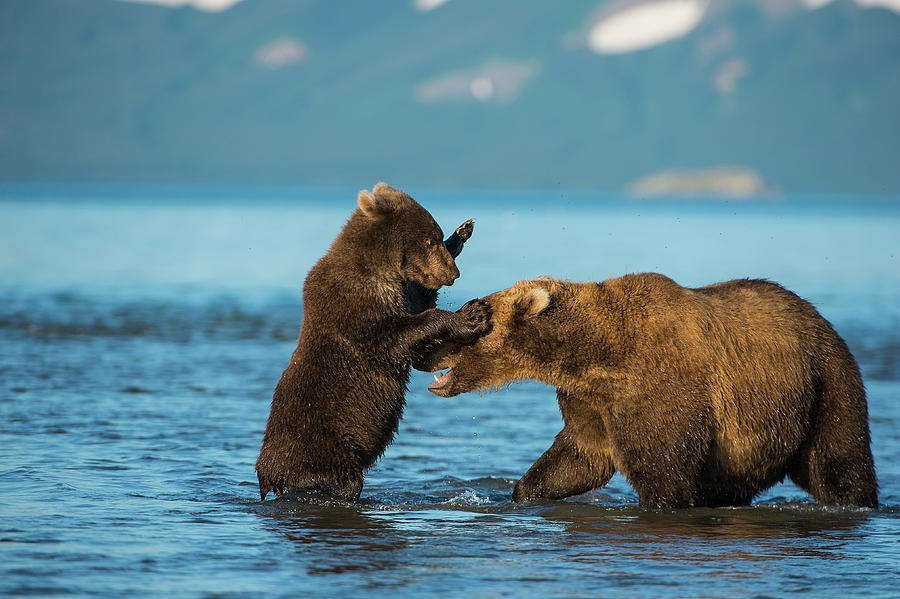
[442, 381]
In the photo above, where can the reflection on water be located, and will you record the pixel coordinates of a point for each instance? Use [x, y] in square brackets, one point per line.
[764, 532]
[618, 546]
[342, 538]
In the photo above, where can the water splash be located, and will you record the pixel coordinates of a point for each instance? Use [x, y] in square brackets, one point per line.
[467, 498]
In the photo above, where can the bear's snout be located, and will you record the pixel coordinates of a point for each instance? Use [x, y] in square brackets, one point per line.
[453, 274]
[443, 269]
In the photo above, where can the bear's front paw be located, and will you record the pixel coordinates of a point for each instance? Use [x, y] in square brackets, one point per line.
[473, 320]
[464, 231]
[528, 489]
[454, 243]
[521, 493]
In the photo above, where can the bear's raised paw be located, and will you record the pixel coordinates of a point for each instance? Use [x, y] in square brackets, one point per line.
[473, 320]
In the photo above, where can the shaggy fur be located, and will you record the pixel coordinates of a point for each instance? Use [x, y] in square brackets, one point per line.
[701, 397]
[338, 403]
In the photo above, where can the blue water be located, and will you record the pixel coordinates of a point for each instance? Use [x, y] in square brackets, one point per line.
[142, 331]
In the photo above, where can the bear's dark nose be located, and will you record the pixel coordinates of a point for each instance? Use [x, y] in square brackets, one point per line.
[451, 272]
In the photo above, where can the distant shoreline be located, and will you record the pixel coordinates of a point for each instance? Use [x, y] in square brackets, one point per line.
[731, 181]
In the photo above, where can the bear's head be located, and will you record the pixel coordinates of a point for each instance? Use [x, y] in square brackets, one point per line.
[530, 339]
[405, 237]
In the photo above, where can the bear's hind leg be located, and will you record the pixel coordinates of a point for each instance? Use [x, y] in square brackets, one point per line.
[835, 464]
[831, 474]
[562, 471]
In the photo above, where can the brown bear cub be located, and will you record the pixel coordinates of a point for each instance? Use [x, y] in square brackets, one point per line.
[368, 313]
[700, 397]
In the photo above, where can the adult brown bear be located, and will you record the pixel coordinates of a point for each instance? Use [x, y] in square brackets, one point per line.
[368, 313]
[700, 397]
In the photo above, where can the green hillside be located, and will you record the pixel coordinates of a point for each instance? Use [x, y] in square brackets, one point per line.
[97, 90]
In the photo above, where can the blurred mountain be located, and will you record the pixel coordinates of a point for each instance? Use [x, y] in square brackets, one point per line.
[510, 93]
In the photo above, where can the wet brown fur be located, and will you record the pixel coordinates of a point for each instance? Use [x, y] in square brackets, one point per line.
[368, 312]
[700, 397]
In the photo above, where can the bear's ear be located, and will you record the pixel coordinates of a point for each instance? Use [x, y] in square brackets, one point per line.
[532, 302]
[383, 189]
[373, 206]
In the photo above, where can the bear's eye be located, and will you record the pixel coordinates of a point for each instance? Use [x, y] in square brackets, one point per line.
[429, 242]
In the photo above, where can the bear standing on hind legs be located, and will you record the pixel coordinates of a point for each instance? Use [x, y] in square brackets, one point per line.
[700, 397]
[368, 313]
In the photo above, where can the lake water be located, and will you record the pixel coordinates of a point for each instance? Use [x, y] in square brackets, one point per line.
[142, 331]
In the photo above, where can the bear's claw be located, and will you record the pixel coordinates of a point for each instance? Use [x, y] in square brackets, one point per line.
[475, 318]
[464, 231]
[454, 243]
